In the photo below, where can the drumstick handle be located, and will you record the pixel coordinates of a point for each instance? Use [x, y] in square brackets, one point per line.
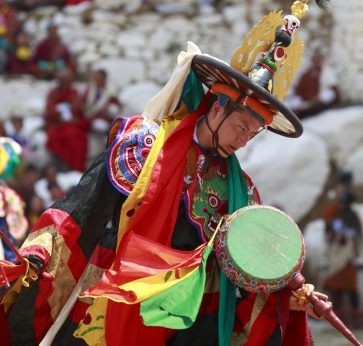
[325, 309]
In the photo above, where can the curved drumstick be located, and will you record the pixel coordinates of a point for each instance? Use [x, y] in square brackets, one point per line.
[325, 309]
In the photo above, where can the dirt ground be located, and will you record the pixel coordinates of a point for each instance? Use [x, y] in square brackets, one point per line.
[325, 335]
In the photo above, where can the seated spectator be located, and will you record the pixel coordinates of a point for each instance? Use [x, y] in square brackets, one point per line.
[20, 58]
[343, 186]
[56, 193]
[17, 134]
[25, 186]
[2, 129]
[9, 24]
[12, 221]
[76, 2]
[52, 55]
[35, 209]
[9, 17]
[312, 94]
[29, 5]
[49, 187]
[101, 106]
[344, 241]
[65, 124]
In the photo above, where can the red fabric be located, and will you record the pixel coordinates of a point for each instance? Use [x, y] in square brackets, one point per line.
[293, 324]
[210, 303]
[43, 320]
[155, 220]
[10, 272]
[37, 250]
[266, 322]
[70, 231]
[66, 139]
[4, 329]
[17, 66]
[156, 217]
[52, 50]
[309, 84]
[76, 2]
[243, 312]
[102, 257]
[78, 312]
[9, 17]
[142, 257]
[297, 330]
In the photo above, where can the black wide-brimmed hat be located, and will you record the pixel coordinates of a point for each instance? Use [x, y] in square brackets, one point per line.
[212, 71]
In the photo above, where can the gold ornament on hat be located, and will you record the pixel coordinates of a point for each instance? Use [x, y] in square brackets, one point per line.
[258, 40]
[261, 38]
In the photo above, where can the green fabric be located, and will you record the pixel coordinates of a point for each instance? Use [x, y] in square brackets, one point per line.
[193, 92]
[238, 198]
[178, 306]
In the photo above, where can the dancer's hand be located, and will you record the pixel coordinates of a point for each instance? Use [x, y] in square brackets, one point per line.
[299, 301]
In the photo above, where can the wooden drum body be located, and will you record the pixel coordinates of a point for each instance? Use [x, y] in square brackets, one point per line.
[260, 249]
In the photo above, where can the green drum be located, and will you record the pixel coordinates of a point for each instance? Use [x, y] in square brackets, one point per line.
[260, 249]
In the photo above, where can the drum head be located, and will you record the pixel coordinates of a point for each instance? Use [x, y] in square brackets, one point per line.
[262, 248]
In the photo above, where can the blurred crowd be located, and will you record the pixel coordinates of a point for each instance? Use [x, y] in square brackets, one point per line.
[343, 235]
[316, 90]
[75, 121]
[334, 249]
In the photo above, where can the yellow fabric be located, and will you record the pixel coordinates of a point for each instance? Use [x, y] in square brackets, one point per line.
[4, 158]
[148, 287]
[43, 237]
[29, 276]
[10, 297]
[94, 333]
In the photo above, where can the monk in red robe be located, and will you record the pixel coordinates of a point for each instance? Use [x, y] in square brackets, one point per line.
[65, 125]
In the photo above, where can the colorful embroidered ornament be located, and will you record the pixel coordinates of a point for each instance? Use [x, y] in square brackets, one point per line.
[261, 69]
[130, 141]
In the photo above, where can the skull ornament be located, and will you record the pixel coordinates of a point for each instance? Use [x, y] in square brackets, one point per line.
[292, 23]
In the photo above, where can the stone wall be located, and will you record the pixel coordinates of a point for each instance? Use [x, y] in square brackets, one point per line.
[136, 44]
[346, 54]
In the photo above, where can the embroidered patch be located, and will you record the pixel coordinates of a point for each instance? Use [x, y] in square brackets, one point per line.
[206, 191]
[129, 150]
[207, 195]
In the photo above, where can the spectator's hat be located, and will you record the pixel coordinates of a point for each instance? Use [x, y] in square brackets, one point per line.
[261, 69]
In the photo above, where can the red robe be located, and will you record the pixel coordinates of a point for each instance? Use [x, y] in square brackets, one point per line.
[67, 139]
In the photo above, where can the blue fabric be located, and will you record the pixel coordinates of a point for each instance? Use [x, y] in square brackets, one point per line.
[8, 252]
